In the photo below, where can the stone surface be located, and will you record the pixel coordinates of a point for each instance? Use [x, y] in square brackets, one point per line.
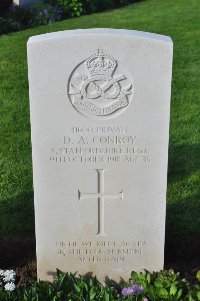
[100, 101]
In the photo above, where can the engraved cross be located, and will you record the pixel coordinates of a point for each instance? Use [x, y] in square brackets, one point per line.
[101, 195]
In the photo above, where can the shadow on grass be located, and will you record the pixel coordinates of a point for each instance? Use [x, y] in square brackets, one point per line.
[182, 253]
[17, 238]
[16, 251]
[184, 159]
[17, 215]
[183, 216]
[182, 240]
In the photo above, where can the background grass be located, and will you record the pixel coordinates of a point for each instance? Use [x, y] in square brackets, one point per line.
[178, 19]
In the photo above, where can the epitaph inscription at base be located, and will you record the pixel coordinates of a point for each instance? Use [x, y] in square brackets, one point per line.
[99, 101]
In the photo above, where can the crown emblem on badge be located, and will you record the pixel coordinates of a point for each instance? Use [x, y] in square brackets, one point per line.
[101, 64]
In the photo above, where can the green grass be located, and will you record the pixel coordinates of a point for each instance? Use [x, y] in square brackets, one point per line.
[178, 19]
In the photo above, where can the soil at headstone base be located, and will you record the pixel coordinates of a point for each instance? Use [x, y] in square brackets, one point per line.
[181, 254]
[18, 253]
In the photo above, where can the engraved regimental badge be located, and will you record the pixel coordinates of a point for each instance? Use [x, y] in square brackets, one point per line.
[100, 86]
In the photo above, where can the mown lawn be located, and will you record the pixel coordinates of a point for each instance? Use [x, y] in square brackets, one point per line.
[178, 19]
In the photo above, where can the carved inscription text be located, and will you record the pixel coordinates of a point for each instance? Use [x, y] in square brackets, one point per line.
[100, 251]
[100, 145]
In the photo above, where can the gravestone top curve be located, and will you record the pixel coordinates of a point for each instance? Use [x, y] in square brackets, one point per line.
[99, 31]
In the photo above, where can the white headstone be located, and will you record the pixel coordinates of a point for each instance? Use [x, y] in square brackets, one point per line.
[100, 101]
